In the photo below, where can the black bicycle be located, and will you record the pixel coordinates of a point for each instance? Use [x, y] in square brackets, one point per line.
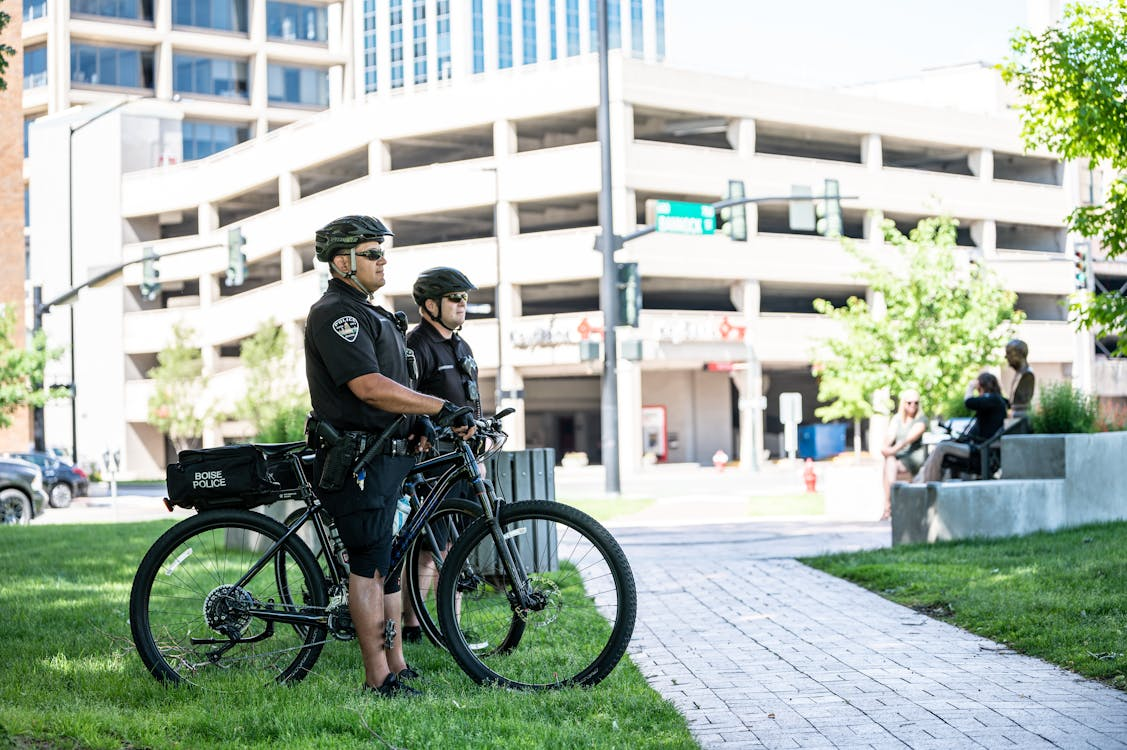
[531, 594]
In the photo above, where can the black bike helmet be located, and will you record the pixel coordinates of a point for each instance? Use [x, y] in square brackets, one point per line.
[436, 282]
[345, 233]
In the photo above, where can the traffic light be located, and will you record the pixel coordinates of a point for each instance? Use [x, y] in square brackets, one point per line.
[1083, 270]
[150, 276]
[828, 211]
[236, 258]
[732, 220]
[629, 294]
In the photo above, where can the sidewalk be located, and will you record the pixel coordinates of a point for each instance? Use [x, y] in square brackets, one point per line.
[759, 651]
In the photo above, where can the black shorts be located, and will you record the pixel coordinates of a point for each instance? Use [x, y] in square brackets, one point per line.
[363, 517]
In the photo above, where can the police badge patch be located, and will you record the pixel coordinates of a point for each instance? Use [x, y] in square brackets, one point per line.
[346, 328]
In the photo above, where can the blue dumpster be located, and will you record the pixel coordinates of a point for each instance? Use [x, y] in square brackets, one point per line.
[818, 441]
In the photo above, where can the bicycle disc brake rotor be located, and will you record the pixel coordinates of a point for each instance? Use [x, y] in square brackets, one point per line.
[226, 610]
[547, 601]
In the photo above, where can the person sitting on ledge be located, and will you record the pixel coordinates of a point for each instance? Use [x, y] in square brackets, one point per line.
[984, 398]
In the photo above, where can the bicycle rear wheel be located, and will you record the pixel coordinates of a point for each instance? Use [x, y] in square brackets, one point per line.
[444, 526]
[191, 622]
[581, 585]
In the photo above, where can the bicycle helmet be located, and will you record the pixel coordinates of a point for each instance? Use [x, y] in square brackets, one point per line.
[345, 233]
[436, 282]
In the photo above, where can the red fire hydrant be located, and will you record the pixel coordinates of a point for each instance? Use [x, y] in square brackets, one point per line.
[720, 460]
[809, 476]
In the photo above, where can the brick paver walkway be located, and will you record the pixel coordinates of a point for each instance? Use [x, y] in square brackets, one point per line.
[760, 651]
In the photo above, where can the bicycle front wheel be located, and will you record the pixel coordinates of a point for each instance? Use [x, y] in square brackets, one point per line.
[426, 557]
[578, 588]
[192, 620]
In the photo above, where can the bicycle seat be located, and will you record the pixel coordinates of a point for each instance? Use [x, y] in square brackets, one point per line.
[270, 450]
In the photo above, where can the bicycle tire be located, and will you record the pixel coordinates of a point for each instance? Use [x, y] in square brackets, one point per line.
[419, 594]
[581, 576]
[184, 591]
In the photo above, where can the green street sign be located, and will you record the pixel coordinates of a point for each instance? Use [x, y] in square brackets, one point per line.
[681, 217]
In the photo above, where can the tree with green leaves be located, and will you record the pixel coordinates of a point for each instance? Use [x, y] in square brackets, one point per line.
[177, 407]
[1072, 78]
[6, 50]
[276, 402]
[944, 319]
[21, 369]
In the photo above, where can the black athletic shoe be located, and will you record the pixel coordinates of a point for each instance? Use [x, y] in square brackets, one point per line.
[412, 634]
[393, 687]
[409, 673]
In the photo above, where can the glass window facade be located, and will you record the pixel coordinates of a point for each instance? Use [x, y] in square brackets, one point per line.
[396, 25]
[370, 60]
[35, 67]
[224, 15]
[504, 33]
[637, 37]
[478, 23]
[442, 38]
[659, 26]
[211, 76]
[553, 51]
[528, 31]
[206, 138]
[614, 24]
[33, 9]
[307, 87]
[296, 22]
[111, 66]
[140, 10]
[572, 20]
[419, 35]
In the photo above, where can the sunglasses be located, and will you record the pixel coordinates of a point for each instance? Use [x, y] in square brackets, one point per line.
[457, 297]
[372, 254]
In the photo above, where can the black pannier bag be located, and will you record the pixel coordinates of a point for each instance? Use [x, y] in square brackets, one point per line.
[231, 476]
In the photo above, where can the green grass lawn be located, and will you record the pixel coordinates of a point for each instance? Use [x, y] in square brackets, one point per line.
[603, 509]
[71, 677]
[1059, 596]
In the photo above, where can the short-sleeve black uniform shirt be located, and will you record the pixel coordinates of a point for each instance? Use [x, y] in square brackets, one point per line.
[441, 372]
[346, 337]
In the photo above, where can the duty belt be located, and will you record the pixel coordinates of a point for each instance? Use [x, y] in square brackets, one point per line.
[396, 448]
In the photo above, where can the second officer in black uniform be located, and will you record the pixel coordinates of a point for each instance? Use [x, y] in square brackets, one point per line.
[447, 370]
[357, 366]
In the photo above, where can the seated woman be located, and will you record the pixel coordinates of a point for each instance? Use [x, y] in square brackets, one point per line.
[984, 398]
[903, 450]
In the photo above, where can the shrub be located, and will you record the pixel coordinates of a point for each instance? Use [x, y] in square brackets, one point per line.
[1064, 409]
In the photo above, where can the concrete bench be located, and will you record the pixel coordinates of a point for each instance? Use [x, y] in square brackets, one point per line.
[1048, 482]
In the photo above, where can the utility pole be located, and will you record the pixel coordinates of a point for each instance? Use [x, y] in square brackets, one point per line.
[608, 286]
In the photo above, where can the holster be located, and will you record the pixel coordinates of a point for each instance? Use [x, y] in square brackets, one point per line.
[340, 449]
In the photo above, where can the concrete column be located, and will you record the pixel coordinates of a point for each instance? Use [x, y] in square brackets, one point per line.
[379, 157]
[871, 230]
[209, 291]
[207, 214]
[258, 84]
[336, 23]
[985, 236]
[257, 22]
[629, 416]
[289, 189]
[872, 152]
[741, 134]
[749, 382]
[981, 163]
[337, 91]
[290, 261]
[162, 86]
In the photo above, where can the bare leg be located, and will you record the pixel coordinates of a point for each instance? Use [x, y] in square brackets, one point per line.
[428, 572]
[366, 604]
[891, 470]
[393, 610]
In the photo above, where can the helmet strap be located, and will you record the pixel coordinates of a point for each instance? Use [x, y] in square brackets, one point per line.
[350, 277]
[438, 318]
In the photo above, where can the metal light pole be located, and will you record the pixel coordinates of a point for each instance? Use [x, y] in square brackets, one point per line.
[608, 292]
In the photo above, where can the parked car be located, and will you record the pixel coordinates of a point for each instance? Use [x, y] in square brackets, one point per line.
[21, 491]
[62, 481]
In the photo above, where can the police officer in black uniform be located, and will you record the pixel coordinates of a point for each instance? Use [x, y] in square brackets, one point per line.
[357, 366]
[447, 370]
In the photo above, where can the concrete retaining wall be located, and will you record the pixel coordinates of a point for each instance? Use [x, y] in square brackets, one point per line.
[1051, 482]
